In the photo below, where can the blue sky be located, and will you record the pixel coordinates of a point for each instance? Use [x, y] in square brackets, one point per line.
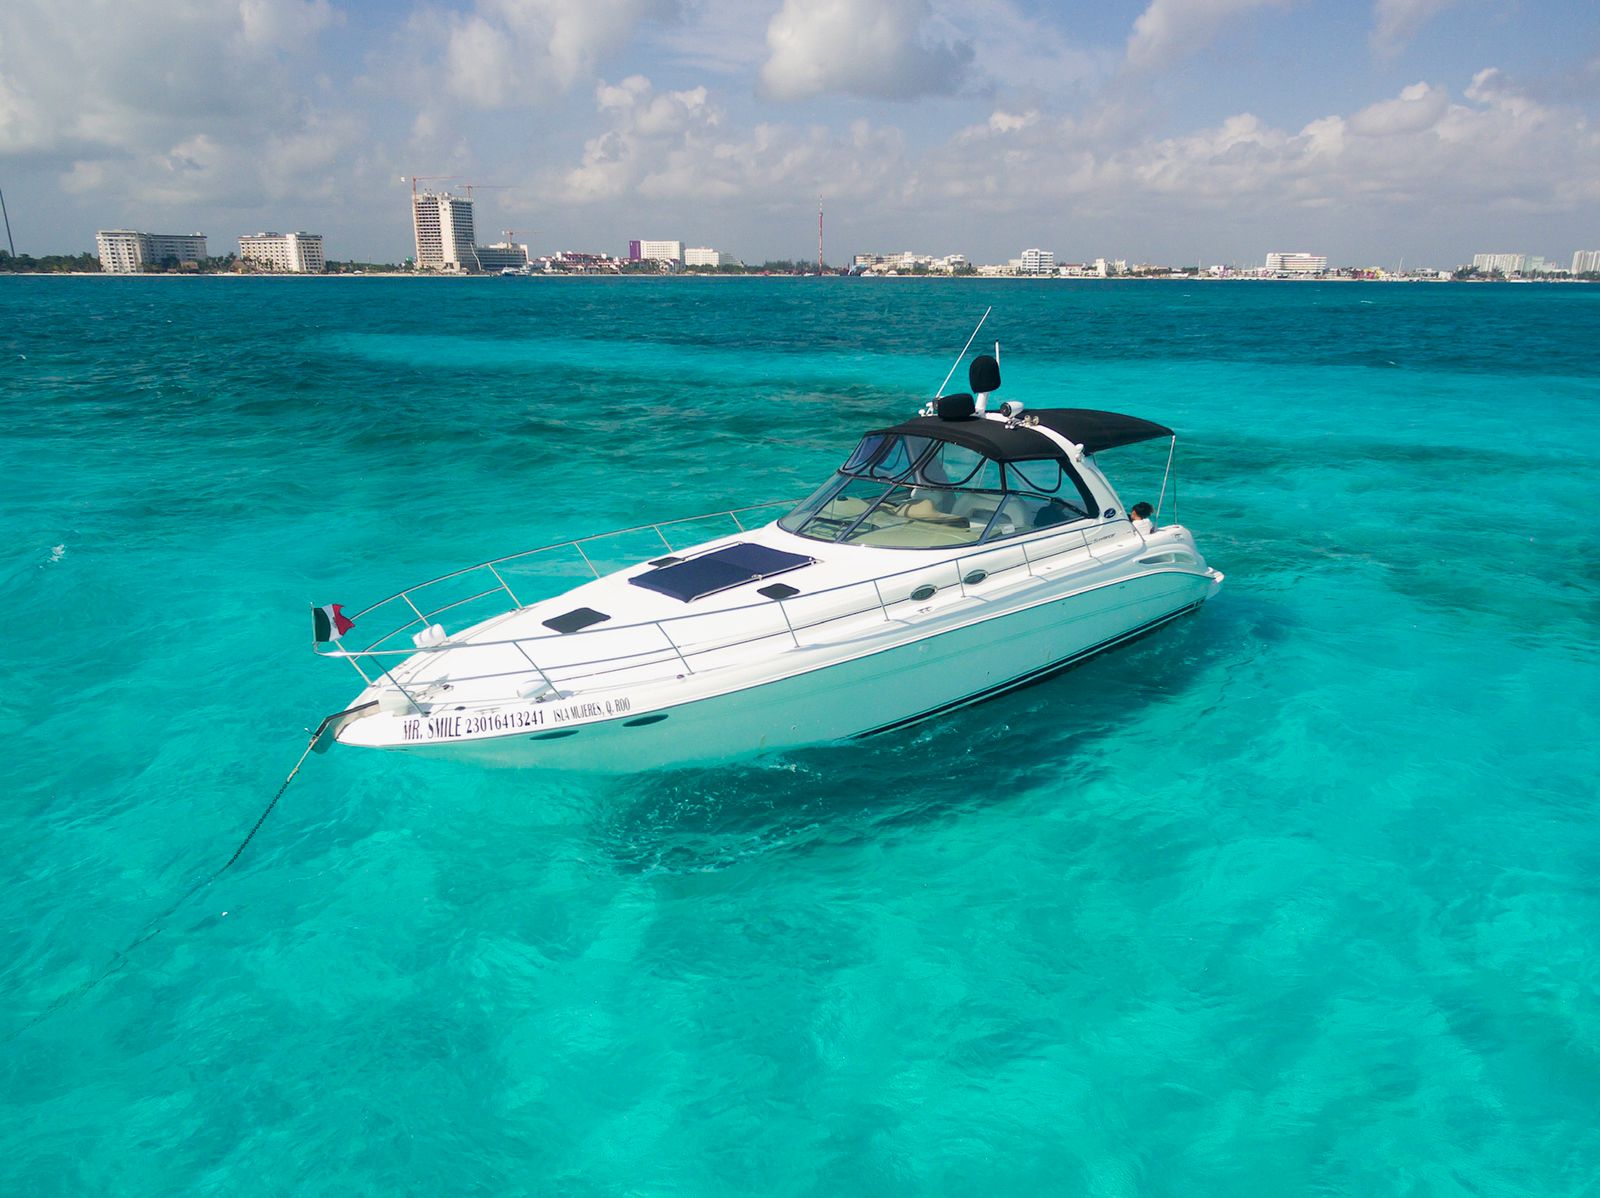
[1164, 131]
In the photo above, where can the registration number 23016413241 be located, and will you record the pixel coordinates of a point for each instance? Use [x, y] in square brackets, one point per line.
[457, 725]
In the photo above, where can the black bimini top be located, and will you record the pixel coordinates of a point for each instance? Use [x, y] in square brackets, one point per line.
[1094, 430]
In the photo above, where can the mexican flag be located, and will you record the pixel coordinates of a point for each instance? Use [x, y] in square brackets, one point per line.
[329, 623]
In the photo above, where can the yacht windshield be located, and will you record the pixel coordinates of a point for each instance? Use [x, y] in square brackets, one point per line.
[905, 492]
[886, 457]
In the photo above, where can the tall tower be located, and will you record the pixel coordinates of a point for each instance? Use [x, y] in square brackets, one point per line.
[430, 236]
[819, 235]
[446, 239]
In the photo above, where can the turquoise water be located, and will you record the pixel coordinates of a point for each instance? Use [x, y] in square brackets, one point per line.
[1297, 896]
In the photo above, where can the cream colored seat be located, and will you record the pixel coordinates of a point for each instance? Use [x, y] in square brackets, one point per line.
[927, 510]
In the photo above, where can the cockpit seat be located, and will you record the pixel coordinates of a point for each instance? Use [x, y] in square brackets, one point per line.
[926, 510]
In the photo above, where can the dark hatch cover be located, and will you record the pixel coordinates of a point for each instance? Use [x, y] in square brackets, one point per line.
[576, 620]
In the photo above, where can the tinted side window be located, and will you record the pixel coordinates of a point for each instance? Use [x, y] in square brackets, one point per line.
[951, 465]
[865, 452]
[1045, 478]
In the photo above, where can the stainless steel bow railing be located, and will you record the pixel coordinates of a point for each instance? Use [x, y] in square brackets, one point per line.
[1020, 555]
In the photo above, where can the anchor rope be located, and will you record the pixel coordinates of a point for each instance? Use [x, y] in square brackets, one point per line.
[262, 818]
[153, 926]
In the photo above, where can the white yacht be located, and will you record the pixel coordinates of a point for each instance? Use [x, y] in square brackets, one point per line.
[952, 557]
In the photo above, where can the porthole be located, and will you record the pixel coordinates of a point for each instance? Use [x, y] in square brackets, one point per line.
[557, 734]
[975, 577]
[926, 591]
[641, 721]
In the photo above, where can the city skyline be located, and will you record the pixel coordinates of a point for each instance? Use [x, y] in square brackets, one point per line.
[1426, 130]
[445, 240]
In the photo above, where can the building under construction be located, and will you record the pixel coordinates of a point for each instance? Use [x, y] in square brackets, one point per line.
[446, 240]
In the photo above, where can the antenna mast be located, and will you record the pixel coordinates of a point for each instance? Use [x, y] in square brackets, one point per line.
[819, 235]
[963, 352]
[7, 215]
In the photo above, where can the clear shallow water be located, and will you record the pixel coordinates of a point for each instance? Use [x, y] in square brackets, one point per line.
[1298, 895]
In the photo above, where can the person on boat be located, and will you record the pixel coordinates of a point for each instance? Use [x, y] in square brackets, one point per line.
[1143, 517]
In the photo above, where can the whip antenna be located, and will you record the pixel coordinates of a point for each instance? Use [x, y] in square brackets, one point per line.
[963, 352]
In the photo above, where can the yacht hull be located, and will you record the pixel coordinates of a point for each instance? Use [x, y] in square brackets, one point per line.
[890, 687]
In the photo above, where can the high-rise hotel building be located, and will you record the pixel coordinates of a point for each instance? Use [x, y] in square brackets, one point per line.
[126, 252]
[655, 251]
[1037, 262]
[295, 253]
[1285, 262]
[1585, 262]
[1500, 264]
[445, 236]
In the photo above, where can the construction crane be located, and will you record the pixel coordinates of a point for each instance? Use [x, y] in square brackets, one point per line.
[415, 179]
[488, 187]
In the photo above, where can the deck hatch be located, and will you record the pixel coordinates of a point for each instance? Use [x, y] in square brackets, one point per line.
[720, 570]
[576, 620]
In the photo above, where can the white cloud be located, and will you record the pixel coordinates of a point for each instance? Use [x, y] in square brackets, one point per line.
[1324, 138]
[282, 24]
[84, 177]
[508, 52]
[1490, 86]
[1010, 122]
[888, 49]
[155, 103]
[1410, 156]
[1010, 49]
[1231, 163]
[309, 162]
[1018, 51]
[646, 129]
[1169, 30]
[1396, 22]
[1419, 152]
[481, 64]
[1416, 109]
[676, 146]
[19, 117]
